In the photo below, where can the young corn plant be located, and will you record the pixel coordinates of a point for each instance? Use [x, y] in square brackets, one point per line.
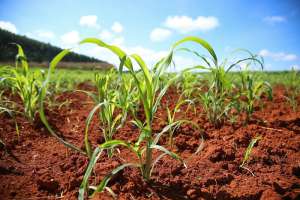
[5, 73]
[32, 87]
[248, 151]
[294, 90]
[176, 123]
[218, 100]
[188, 84]
[106, 101]
[150, 93]
[252, 90]
[44, 90]
[8, 107]
[128, 99]
[26, 84]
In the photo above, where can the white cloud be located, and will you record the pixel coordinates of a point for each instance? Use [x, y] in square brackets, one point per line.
[45, 34]
[150, 56]
[160, 34]
[117, 27]
[8, 26]
[89, 21]
[111, 38]
[98, 52]
[118, 41]
[106, 35]
[70, 38]
[278, 56]
[185, 24]
[274, 19]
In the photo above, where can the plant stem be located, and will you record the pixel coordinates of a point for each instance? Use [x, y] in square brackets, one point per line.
[110, 152]
[148, 161]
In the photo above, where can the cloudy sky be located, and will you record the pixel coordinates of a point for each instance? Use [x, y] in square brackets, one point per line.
[270, 28]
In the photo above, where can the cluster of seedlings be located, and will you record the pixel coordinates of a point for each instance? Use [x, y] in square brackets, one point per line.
[124, 91]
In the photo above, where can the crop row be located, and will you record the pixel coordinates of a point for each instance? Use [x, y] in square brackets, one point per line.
[123, 92]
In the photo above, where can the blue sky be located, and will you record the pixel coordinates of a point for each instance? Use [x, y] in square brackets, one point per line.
[268, 27]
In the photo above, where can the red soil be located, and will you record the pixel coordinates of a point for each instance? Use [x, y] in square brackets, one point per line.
[37, 166]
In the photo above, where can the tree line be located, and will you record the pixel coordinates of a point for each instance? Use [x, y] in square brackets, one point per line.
[35, 50]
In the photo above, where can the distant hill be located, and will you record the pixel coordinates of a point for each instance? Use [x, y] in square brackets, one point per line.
[40, 52]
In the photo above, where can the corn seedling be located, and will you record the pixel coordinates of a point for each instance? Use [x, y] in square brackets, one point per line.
[217, 100]
[294, 90]
[128, 96]
[150, 93]
[26, 84]
[7, 106]
[5, 73]
[248, 151]
[252, 90]
[106, 101]
[32, 88]
[174, 123]
[188, 84]
[44, 90]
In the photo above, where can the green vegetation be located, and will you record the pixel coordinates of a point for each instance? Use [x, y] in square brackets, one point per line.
[107, 100]
[219, 99]
[8, 107]
[150, 94]
[123, 93]
[293, 89]
[176, 123]
[27, 85]
[252, 90]
[248, 151]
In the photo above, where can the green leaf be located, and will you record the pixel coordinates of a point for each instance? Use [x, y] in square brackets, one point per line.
[113, 143]
[195, 67]
[170, 126]
[87, 124]
[249, 150]
[42, 95]
[107, 178]
[163, 92]
[163, 149]
[156, 161]
[116, 50]
[197, 54]
[23, 59]
[243, 60]
[200, 41]
[144, 68]
[95, 156]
